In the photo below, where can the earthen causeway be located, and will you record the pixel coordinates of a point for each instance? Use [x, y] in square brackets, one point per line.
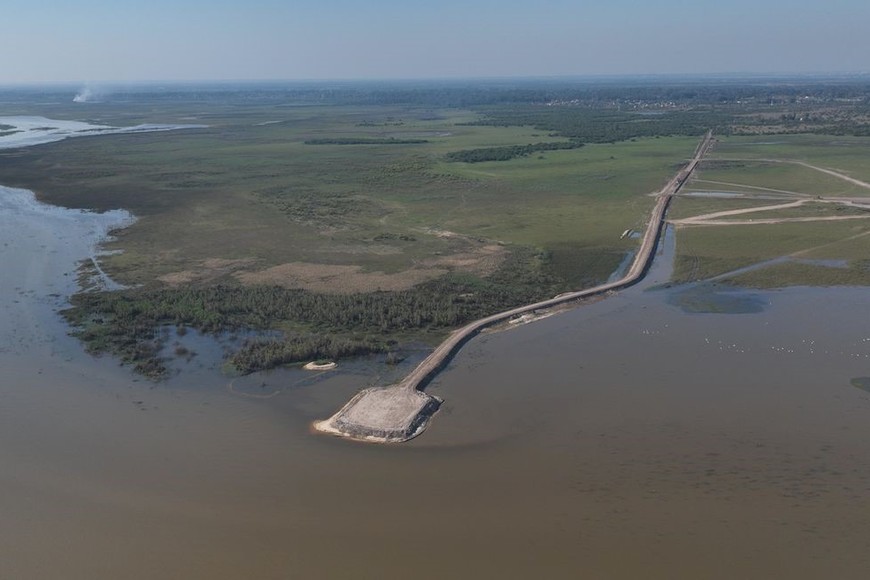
[400, 412]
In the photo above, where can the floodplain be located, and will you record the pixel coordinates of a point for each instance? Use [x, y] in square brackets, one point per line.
[709, 422]
[810, 203]
[308, 210]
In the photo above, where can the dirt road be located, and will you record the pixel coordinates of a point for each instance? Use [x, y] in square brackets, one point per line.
[712, 219]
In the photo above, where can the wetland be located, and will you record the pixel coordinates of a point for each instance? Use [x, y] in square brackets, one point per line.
[684, 427]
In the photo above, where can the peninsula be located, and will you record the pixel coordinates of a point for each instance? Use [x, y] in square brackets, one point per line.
[400, 412]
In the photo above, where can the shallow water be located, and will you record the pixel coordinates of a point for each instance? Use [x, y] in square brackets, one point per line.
[33, 130]
[623, 267]
[623, 439]
[712, 299]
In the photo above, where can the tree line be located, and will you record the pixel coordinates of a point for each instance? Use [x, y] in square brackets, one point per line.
[602, 126]
[508, 152]
[257, 355]
[364, 141]
[126, 323]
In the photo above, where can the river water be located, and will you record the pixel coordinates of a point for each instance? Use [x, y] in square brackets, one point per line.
[660, 433]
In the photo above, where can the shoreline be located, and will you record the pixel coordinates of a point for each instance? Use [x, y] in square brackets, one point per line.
[32, 130]
[44, 246]
[377, 410]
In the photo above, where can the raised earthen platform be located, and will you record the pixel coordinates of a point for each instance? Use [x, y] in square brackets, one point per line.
[382, 415]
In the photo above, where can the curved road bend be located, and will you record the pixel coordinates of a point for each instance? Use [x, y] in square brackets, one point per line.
[426, 370]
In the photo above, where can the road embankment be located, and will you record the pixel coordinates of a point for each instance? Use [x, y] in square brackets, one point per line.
[400, 412]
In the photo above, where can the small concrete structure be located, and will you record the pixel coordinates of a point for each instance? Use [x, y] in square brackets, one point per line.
[382, 415]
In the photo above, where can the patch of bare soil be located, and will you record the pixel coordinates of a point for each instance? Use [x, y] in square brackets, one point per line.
[208, 270]
[337, 279]
[348, 279]
[482, 261]
[473, 256]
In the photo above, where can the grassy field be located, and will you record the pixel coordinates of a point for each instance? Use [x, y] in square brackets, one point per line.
[371, 203]
[846, 154]
[354, 200]
[704, 252]
[244, 191]
[685, 207]
[756, 164]
[754, 167]
[349, 226]
[799, 273]
[806, 211]
[783, 177]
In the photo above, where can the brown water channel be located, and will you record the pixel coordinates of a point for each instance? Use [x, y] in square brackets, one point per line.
[625, 439]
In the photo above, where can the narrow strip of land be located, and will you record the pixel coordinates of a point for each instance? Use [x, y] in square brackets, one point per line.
[400, 412]
[712, 219]
[755, 187]
[831, 172]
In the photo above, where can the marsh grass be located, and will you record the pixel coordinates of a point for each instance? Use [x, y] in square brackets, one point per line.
[240, 189]
[248, 191]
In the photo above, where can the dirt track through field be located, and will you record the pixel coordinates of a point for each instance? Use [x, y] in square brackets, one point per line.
[831, 172]
[710, 219]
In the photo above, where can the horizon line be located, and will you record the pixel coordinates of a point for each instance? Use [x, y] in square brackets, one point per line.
[494, 78]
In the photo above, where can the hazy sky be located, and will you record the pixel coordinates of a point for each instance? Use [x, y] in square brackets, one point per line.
[131, 40]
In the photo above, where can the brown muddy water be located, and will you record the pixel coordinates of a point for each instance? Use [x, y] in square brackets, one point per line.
[630, 438]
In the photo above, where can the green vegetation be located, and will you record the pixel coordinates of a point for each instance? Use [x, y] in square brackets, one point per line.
[213, 193]
[364, 141]
[257, 355]
[597, 126]
[782, 177]
[125, 323]
[704, 252]
[443, 213]
[806, 211]
[220, 207]
[845, 154]
[767, 171]
[800, 273]
[684, 206]
[506, 153]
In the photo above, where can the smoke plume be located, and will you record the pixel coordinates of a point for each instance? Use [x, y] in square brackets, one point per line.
[87, 95]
